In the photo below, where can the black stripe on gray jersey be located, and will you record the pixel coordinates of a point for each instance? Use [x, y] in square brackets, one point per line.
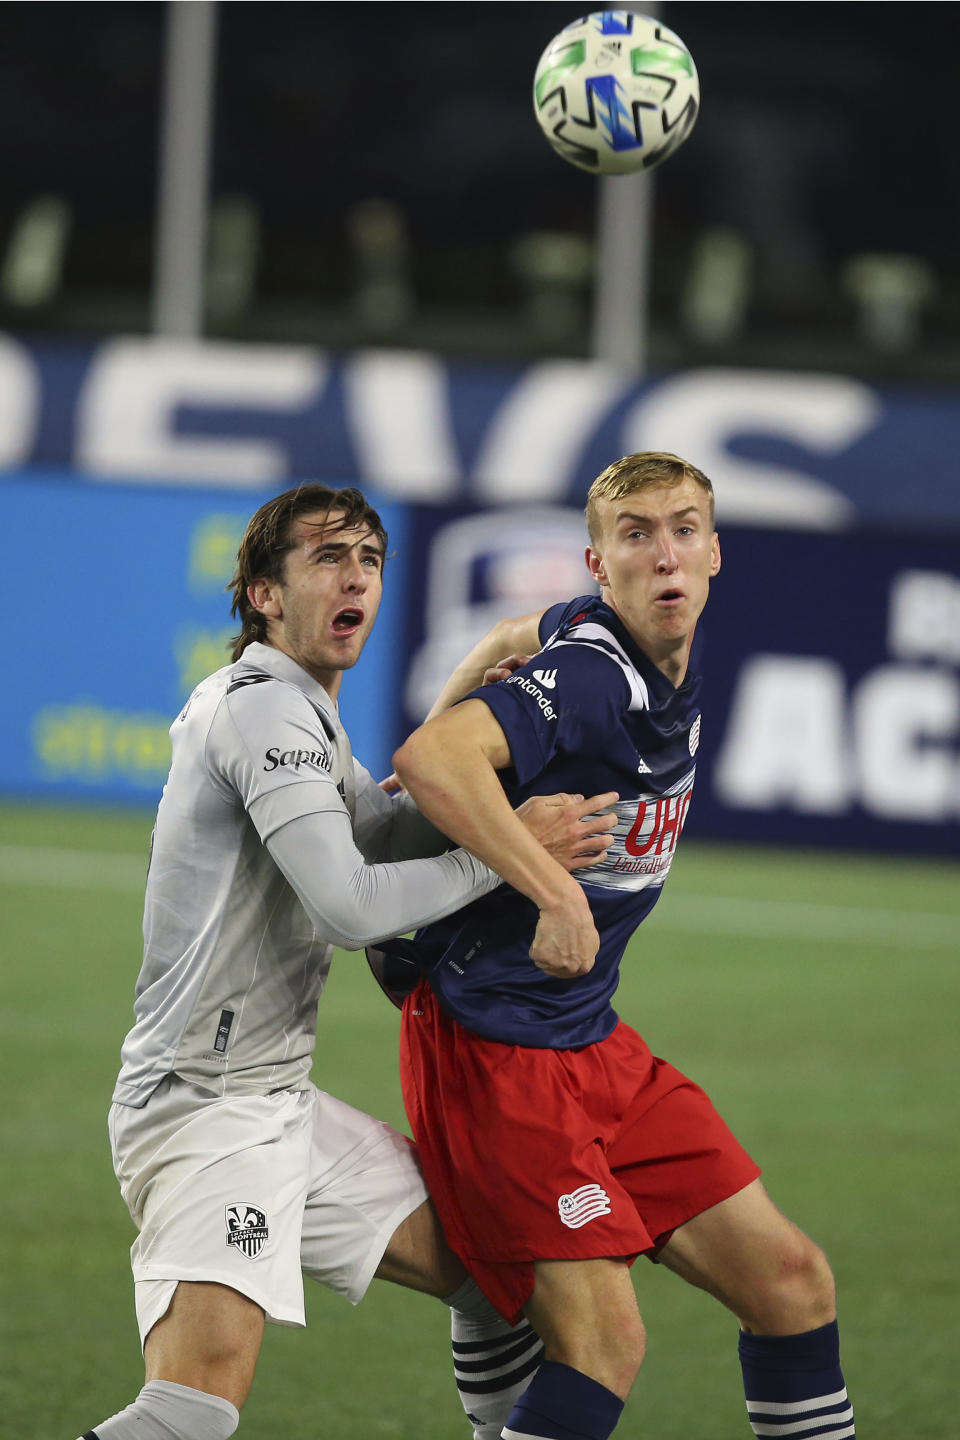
[325, 721]
[482, 1367]
[256, 678]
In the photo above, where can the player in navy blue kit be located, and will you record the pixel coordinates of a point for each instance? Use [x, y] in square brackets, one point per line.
[556, 1146]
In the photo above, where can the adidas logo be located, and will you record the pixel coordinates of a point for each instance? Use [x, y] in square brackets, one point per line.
[547, 678]
[643, 768]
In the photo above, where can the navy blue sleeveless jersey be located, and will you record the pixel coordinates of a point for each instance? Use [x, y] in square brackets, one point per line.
[589, 713]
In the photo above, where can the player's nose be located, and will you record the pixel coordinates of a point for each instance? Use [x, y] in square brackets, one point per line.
[666, 556]
[353, 575]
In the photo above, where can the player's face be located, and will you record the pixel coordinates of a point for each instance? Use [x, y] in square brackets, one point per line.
[323, 608]
[655, 557]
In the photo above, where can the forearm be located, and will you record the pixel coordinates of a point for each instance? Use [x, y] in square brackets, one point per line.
[460, 793]
[517, 635]
[450, 767]
[354, 904]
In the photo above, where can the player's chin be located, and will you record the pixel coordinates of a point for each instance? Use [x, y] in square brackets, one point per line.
[673, 621]
[349, 647]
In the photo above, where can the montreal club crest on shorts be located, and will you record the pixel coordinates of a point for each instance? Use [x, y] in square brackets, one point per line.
[246, 1228]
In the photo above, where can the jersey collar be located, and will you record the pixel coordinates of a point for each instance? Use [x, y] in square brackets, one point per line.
[276, 662]
[658, 684]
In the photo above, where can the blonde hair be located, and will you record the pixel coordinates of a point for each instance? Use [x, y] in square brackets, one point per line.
[640, 471]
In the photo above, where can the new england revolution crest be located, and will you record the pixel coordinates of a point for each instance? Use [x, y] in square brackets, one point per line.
[246, 1228]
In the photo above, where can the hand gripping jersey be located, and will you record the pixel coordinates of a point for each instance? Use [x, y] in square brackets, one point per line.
[590, 713]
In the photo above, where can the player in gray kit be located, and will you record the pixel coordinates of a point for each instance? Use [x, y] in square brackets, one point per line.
[271, 844]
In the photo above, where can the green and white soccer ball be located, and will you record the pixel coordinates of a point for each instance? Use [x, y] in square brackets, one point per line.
[616, 92]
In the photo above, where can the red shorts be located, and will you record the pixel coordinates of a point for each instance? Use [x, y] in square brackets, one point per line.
[557, 1154]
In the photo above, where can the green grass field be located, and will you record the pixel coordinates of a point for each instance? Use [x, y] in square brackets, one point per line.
[814, 996]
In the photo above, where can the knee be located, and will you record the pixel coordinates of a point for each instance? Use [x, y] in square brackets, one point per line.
[810, 1277]
[800, 1294]
[629, 1348]
[610, 1352]
[622, 1335]
[586, 1314]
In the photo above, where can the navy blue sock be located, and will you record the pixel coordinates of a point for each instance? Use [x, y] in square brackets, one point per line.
[561, 1403]
[794, 1386]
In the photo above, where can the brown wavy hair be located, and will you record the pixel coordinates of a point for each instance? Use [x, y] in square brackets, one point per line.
[267, 541]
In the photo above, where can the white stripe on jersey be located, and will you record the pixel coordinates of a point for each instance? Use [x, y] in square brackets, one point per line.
[643, 841]
[598, 637]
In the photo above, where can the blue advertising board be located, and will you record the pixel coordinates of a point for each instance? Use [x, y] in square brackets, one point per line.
[831, 669]
[830, 661]
[783, 449]
[830, 665]
[118, 608]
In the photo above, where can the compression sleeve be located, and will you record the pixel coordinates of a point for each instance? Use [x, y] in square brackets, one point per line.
[390, 827]
[354, 904]
[413, 834]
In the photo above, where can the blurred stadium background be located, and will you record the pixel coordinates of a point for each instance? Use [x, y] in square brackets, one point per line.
[247, 244]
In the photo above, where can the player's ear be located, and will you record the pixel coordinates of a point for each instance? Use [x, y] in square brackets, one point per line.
[714, 555]
[595, 565]
[264, 596]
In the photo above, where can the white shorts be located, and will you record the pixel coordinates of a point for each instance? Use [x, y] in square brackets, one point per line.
[255, 1192]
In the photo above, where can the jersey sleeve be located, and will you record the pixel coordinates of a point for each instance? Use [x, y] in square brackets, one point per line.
[567, 699]
[550, 621]
[354, 904]
[268, 746]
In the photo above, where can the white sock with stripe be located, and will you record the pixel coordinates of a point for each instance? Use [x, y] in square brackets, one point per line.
[493, 1362]
[794, 1386]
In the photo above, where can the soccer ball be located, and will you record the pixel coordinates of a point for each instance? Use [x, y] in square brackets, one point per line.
[616, 92]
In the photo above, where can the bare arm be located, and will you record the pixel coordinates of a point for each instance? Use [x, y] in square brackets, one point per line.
[450, 768]
[574, 828]
[520, 635]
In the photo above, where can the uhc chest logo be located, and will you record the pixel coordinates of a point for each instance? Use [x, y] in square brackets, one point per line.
[246, 1228]
[658, 825]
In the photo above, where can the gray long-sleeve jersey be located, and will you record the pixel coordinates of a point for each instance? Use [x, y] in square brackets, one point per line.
[259, 863]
